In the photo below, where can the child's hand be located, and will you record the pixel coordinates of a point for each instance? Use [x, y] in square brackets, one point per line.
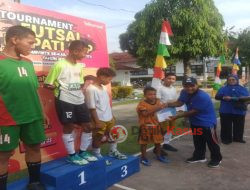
[162, 106]
[98, 125]
[172, 118]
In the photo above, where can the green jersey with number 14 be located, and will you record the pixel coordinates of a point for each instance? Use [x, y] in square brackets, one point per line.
[19, 101]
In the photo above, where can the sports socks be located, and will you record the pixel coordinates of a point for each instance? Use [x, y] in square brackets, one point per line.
[34, 171]
[68, 141]
[3, 181]
[86, 140]
[113, 147]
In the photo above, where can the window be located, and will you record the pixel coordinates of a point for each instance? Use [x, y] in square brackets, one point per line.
[171, 69]
[197, 69]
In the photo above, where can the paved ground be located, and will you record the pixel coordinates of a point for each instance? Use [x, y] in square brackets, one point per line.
[233, 174]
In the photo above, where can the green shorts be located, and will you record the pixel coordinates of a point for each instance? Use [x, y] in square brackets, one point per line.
[29, 133]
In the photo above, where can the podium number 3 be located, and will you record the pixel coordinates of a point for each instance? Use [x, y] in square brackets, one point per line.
[82, 178]
[124, 170]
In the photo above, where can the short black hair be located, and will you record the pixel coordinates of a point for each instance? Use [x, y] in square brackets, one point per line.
[105, 71]
[89, 77]
[148, 88]
[77, 45]
[170, 74]
[18, 31]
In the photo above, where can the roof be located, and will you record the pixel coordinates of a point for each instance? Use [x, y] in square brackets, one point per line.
[124, 61]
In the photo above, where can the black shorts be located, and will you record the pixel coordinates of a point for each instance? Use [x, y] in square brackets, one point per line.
[71, 113]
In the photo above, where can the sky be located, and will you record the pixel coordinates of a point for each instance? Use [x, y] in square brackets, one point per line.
[117, 14]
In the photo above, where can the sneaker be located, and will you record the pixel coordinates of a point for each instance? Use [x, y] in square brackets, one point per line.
[169, 148]
[87, 156]
[116, 154]
[163, 153]
[145, 162]
[214, 164]
[36, 186]
[163, 159]
[108, 162]
[99, 156]
[239, 141]
[195, 160]
[226, 142]
[77, 160]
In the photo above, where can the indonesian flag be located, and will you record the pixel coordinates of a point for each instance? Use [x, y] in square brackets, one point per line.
[236, 62]
[217, 81]
[162, 51]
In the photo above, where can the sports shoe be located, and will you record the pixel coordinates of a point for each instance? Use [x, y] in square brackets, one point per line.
[87, 156]
[214, 164]
[77, 160]
[163, 153]
[163, 159]
[239, 141]
[36, 186]
[108, 162]
[145, 162]
[195, 160]
[169, 148]
[116, 154]
[99, 156]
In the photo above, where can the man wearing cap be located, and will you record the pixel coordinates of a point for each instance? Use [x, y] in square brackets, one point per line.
[202, 118]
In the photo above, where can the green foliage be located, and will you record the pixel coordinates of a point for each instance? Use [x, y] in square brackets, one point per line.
[124, 91]
[121, 91]
[243, 42]
[111, 62]
[114, 91]
[196, 24]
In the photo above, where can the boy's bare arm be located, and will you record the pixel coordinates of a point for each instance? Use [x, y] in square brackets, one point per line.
[95, 118]
[146, 113]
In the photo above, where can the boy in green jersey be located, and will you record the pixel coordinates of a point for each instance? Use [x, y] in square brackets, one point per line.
[66, 79]
[20, 109]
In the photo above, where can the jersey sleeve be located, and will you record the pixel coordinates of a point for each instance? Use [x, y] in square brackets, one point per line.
[53, 74]
[34, 76]
[90, 98]
[82, 75]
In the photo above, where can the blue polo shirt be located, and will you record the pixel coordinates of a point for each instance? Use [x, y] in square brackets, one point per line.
[228, 107]
[201, 102]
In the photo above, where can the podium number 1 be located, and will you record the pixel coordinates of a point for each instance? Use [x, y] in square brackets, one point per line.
[82, 178]
[124, 170]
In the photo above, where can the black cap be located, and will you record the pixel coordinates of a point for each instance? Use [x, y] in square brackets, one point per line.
[189, 81]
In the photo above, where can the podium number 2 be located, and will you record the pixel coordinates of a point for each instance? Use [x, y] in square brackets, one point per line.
[124, 170]
[82, 178]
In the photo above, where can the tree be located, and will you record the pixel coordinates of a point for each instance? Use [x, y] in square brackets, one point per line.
[197, 26]
[243, 43]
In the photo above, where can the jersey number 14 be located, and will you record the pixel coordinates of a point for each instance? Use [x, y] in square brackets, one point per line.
[22, 71]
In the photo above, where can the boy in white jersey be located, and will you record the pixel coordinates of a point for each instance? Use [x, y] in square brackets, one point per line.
[167, 93]
[66, 79]
[98, 102]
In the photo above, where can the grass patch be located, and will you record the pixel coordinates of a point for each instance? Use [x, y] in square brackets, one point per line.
[131, 146]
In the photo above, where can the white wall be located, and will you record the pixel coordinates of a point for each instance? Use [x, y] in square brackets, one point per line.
[122, 76]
